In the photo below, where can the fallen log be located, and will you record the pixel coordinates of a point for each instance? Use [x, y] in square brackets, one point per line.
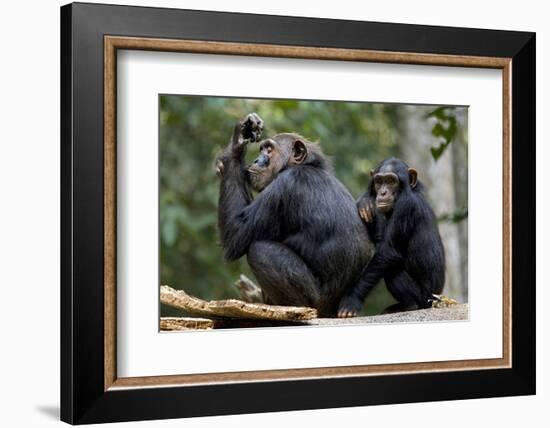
[233, 308]
[457, 312]
[185, 323]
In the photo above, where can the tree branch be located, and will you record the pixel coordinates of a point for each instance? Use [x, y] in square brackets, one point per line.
[183, 323]
[233, 308]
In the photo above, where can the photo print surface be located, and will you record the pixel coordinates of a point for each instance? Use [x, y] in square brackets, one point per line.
[283, 212]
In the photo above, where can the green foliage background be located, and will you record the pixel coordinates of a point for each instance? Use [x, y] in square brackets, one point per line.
[194, 130]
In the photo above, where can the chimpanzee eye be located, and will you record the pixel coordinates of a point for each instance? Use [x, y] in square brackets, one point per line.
[392, 180]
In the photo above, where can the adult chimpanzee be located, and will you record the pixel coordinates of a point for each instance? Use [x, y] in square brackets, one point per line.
[302, 236]
[409, 253]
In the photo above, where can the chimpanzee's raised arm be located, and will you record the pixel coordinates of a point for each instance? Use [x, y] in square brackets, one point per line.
[241, 219]
[247, 130]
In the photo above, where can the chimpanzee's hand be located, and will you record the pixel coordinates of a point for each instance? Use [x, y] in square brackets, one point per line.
[349, 306]
[248, 130]
[366, 209]
[219, 166]
[251, 128]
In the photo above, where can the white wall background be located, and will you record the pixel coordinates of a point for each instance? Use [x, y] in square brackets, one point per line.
[29, 219]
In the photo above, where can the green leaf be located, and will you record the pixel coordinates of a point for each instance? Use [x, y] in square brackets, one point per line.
[438, 151]
[438, 130]
[438, 113]
[445, 128]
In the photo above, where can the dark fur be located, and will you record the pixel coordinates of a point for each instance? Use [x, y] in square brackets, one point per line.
[409, 253]
[302, 236]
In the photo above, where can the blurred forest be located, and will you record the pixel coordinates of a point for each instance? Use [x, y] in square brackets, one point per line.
[194, 130]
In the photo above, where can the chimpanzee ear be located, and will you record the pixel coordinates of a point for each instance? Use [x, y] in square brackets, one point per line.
[299, 152]
[413, 177]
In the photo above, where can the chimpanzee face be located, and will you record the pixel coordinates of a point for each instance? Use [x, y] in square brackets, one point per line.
[275, 154]
[386, 186]
[389, 179]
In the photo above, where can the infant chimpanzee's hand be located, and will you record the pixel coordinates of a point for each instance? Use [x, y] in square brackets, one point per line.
[366, 209]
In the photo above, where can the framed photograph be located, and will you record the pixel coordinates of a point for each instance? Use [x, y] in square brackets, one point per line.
[266, 213]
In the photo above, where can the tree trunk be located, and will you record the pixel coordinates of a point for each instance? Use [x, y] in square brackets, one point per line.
[446, 188]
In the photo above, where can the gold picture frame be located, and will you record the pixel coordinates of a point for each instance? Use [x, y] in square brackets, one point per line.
[114, 43]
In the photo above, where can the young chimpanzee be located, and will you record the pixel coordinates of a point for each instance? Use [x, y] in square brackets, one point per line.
[409, 253]
[302, 236]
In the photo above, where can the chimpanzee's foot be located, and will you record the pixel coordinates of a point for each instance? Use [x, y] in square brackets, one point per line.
[349, 307]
